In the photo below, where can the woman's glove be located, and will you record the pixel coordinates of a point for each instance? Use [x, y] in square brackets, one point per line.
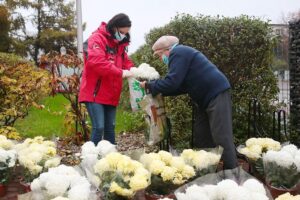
[127, 74]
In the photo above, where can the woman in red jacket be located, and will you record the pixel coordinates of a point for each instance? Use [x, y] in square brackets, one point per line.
[105, 64]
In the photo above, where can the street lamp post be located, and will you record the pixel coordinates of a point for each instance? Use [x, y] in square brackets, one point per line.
[79, 28]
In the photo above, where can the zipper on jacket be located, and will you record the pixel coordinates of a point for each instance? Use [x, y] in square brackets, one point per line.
[97, 88]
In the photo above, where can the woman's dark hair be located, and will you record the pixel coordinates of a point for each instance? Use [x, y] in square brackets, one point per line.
[119, 21]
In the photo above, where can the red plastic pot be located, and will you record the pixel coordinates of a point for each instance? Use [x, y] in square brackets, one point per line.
[25, 186]
[275, 192]
[2, 190]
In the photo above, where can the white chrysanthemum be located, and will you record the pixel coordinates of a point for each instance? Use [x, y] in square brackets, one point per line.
[79, 192]
[259, 196]
[57, 185]
[38, 139]
[49, 143]
[54, 162]
[238, 193]
[297, 162]
[60, 198]
[194, 192]
[35, 156]
[181, 196]
[145, 71]
[37, 196]
[43, 178]
[166, 199]
[226, 185]
[88, 148]
[104, 147]
[254, 186]
[5, 143]
[281, 158]
[8, 156]
[35, 185]
[291, 149]
[211, 191]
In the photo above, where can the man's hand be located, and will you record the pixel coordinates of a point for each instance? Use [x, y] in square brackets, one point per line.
[127, 74]
[143, 84]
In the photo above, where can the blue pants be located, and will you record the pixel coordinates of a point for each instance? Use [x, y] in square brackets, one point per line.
[103, 119]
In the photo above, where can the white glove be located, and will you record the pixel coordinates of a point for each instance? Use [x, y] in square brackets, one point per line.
[127, 74]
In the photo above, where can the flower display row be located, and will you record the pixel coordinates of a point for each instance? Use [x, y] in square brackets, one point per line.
[121, 176]
[282, 168]
[61, 182]
[36, 156]
[227, 190]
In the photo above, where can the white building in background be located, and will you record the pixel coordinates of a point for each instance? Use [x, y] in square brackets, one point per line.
[283, 83]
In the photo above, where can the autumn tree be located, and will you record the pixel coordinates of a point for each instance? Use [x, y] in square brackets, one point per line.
[49, 26]
[4, 29]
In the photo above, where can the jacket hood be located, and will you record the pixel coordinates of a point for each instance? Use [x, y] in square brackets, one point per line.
[103, 30]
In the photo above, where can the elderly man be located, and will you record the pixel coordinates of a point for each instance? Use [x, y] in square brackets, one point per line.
[189, 71]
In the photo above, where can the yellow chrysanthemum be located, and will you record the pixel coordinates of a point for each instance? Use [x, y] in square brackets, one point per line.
[165, 156]
[168, 173]
[138, 182]
[115, 188]
[156, 167]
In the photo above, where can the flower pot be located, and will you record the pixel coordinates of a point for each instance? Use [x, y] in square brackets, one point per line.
[2, 190]
[25, 186]
[149, 196]
[275, 192]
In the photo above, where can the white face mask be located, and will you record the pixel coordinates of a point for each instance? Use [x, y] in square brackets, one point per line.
[119, 36]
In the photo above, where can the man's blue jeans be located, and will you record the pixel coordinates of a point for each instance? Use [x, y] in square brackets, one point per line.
[103, 119]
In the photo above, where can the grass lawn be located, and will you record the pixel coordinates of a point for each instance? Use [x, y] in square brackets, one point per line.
[48, 122]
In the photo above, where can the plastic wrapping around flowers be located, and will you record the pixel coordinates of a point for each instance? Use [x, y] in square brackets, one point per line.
[253, 151]
[142, 73]
[62, 181]
[282, 168]
[233, 184]
[90, 154]
[156, 118]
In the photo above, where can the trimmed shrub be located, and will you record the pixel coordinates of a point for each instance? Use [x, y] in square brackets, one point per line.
[242, 48]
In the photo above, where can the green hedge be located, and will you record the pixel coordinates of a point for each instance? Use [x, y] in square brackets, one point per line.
[241, 47]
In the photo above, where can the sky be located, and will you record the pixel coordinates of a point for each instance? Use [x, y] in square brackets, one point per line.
[148, 14]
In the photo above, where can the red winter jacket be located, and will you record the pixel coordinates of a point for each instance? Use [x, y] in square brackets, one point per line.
[104, 60]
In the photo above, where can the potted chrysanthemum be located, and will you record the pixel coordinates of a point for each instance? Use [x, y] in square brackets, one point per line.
[204, 162]
[61, 182]
[120, 176]
[35, 157]
[254, 149]
[282, 170]
[167, 173]
[7, 162]
[288, 196]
